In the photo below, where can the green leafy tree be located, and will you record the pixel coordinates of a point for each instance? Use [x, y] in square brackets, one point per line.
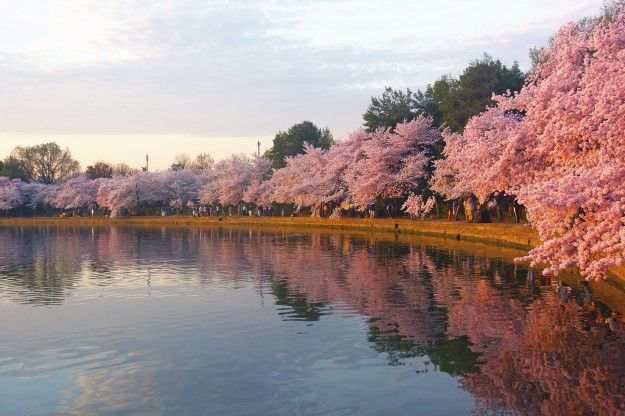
[392, 108]
[46, 163]
[430, 101]
[472, 92]
[448, 100]
[291, 142]
[11, 168]
[395, 107]
[99, 169]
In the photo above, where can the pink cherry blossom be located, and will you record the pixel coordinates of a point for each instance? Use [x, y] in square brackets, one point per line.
[416, 207]
[564, 157]
[10, 195]
[391, 164]
[231, 178]
[77, 192]
[489, 156]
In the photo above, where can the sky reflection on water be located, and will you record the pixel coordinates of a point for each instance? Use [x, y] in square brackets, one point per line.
[233, 321]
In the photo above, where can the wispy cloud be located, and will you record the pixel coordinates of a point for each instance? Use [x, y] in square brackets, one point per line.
[242, 68]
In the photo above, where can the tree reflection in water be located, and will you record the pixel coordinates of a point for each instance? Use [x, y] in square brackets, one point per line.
[516, 342]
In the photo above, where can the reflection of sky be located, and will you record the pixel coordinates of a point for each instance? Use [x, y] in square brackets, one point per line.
[17, 392]
[217, 352]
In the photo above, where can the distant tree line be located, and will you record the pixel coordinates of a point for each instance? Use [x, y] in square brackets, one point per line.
[48, 163]
[448, 101]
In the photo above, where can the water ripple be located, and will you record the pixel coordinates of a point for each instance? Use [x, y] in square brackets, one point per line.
[250, 322]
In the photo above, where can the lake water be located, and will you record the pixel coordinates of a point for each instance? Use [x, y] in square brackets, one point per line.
[219, 321]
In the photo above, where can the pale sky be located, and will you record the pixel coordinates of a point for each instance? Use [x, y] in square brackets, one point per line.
[116, 80]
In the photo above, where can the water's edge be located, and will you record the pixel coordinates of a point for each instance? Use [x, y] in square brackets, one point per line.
[517, 236]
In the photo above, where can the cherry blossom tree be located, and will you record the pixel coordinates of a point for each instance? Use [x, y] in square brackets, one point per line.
[298, 182]
[10, 195]
[260, 173]
[317, 176]
[257, 193]
[231, 179]
[115, 195]
[563, 158]
[390, 164]
[34, 194]
[49, 193]
[208, 192]
[358, 169]
[176, 204]
[489, 157]
[77, 192]
[339, 157]
[445, 179]
[129, 192]
[573, 106]
[416, 207]
[181, 184]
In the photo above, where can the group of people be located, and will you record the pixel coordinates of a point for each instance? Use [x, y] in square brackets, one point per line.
[240, 210]
[470, 210]
[470, 207]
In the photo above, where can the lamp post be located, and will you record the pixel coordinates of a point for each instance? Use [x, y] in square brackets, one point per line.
[146, 162]
[259, 149]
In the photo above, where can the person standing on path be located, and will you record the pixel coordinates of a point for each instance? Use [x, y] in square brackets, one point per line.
[469, 208]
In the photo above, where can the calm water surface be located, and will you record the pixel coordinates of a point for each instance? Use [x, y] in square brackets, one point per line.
[237, 322]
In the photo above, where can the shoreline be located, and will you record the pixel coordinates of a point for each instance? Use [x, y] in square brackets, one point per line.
[504, 240]
[514, 235]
